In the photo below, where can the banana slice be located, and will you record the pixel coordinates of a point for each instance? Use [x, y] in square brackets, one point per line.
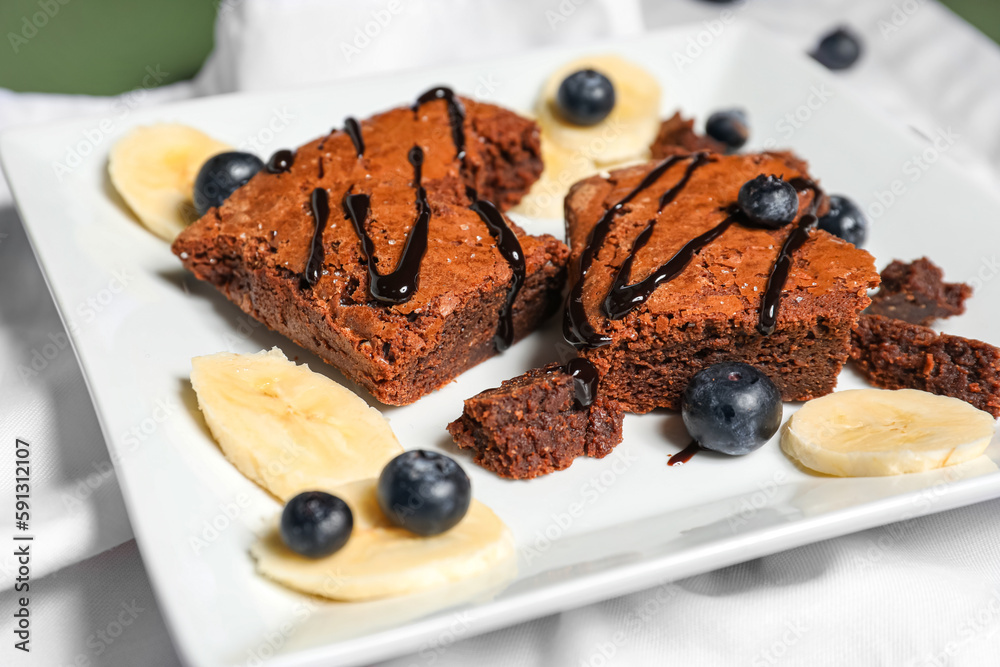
[287, 428]
[573, 152]
[154, 167]
[873, 432]
[628, 130]
[563, 168]
[381, 560]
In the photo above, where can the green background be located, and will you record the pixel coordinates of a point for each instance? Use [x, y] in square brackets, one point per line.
[984, 14]
[103, 47]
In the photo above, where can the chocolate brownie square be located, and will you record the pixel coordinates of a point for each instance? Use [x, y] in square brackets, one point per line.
[668, 279]
[377, 247]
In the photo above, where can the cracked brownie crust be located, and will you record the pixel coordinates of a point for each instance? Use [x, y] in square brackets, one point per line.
[255, 247]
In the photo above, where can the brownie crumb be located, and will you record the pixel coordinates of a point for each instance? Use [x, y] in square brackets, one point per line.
[893, 354]
[915, 292]
[677, 133]
[531, 425]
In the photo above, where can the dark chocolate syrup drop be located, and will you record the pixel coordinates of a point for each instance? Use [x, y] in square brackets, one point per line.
[456, 115]
[510, 248]
[584, 380]
[398, 286]
[576, 329]
[281, 161]
[683, 456]
[320, 204]
[353, 129]
[770, 303]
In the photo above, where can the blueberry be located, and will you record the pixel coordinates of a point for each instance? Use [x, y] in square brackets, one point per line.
[846, 220]
[585, 97]
[729, 127]
[731, 408]
[769, 201]
[838, 49]
[424, 492]
[316, 524]
[220, 176]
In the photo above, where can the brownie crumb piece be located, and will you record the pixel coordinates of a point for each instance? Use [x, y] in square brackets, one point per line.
[894, 354]
[915, 292]
[676, 133]
[531, 425]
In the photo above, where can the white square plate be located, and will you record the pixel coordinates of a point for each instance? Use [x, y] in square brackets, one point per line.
[136, 319]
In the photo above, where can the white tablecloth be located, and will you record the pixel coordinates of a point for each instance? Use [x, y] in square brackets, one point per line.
[926, 592]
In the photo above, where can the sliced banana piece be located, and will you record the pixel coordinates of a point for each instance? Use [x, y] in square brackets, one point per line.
[563, 168]
[287, 428]
[381, 560]
[628, 130]
[154, 167]
[874, 432]
[573, 152]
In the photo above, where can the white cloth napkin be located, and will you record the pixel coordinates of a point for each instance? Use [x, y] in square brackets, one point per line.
[926, 592]
[76, 508]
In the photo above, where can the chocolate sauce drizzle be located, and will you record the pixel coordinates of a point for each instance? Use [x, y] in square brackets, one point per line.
[400, 285]
[320, 204]
[353, 129]
[771, 301]
[510, 248]
[507, 243]
[697, 160]
[623, 298]
[683, 456]
[576, 329]
[396, 287]
[585, 379]
[456, 115]
[280, 162]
